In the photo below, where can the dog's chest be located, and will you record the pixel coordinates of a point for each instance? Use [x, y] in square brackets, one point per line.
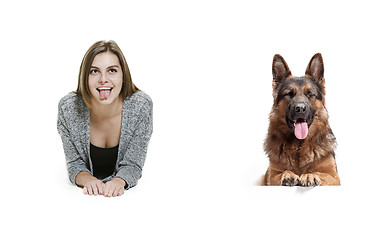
[296, 157]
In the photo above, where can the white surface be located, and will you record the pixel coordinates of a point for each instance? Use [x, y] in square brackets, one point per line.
[207, 67]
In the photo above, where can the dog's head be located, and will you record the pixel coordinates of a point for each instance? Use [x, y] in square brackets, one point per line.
[298, 99]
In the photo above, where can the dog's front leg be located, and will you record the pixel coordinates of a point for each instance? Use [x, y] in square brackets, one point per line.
[324, 173]
[318, 179]
[281, 178]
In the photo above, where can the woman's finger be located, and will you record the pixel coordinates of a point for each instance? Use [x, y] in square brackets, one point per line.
[111, 190]
[85, 190]
[101, 187]
[107, 190]
[89, 189]
[116, 191]
[120, 192]
[94, 189]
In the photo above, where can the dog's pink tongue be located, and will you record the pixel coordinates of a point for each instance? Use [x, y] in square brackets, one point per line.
[104, 94]
[301, 130]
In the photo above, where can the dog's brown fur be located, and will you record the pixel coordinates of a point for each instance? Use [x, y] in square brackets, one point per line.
[295, 162]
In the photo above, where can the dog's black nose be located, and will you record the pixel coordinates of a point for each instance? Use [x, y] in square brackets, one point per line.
[301, 108]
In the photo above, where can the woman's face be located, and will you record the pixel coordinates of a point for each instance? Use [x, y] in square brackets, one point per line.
[105, 78]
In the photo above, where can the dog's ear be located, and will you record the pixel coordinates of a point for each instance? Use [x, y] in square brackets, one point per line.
[280, 70]
[315, 68]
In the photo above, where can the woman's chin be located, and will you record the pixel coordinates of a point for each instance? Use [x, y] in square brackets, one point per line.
[105, 101]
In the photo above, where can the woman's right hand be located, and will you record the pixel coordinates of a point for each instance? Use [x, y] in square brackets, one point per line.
[94, 187]
[91, 185]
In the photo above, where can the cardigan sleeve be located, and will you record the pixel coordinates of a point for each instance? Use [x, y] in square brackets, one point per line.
[75, 163]
[130, 169]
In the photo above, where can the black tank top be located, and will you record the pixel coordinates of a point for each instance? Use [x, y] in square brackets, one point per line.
[103, 160]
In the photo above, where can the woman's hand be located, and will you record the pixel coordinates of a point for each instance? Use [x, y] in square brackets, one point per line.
[91, 185]
[114, 187]
[94, 187]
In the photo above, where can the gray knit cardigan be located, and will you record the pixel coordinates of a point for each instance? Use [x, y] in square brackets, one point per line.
[137, 126]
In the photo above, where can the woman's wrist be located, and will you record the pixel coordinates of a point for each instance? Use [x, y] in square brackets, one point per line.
[83, 177]
[120, 180]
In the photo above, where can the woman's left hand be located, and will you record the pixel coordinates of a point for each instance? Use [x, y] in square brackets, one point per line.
[114, 187]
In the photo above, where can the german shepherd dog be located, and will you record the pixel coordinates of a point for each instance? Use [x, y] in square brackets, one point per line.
[300, 143]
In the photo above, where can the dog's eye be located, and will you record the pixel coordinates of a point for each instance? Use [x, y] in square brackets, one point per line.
[291, 94]
[310, 94]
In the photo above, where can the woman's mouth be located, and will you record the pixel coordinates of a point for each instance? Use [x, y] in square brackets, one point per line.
[104, 92]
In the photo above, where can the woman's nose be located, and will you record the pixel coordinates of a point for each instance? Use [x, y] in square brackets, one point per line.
[103, 78]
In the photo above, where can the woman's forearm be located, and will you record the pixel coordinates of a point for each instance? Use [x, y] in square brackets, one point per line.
[83, 177]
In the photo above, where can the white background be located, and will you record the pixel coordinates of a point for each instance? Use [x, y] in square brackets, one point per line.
[207, 67]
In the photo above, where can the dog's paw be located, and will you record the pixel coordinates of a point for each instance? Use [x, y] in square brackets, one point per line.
[289, 179]
[309, 180]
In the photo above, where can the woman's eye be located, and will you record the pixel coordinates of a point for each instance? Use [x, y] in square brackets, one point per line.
[112, 70]
[93, 71]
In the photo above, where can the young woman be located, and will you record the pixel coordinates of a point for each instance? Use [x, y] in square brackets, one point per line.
[106, 124]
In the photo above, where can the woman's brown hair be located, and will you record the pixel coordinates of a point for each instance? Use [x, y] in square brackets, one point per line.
[128, 87]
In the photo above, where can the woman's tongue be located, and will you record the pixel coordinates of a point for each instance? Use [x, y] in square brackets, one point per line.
[104, 94]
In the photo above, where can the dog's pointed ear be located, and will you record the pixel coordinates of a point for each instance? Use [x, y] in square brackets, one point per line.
[280, 70]
[315, 68]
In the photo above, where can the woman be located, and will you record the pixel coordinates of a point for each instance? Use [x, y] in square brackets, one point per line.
[106, 124]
